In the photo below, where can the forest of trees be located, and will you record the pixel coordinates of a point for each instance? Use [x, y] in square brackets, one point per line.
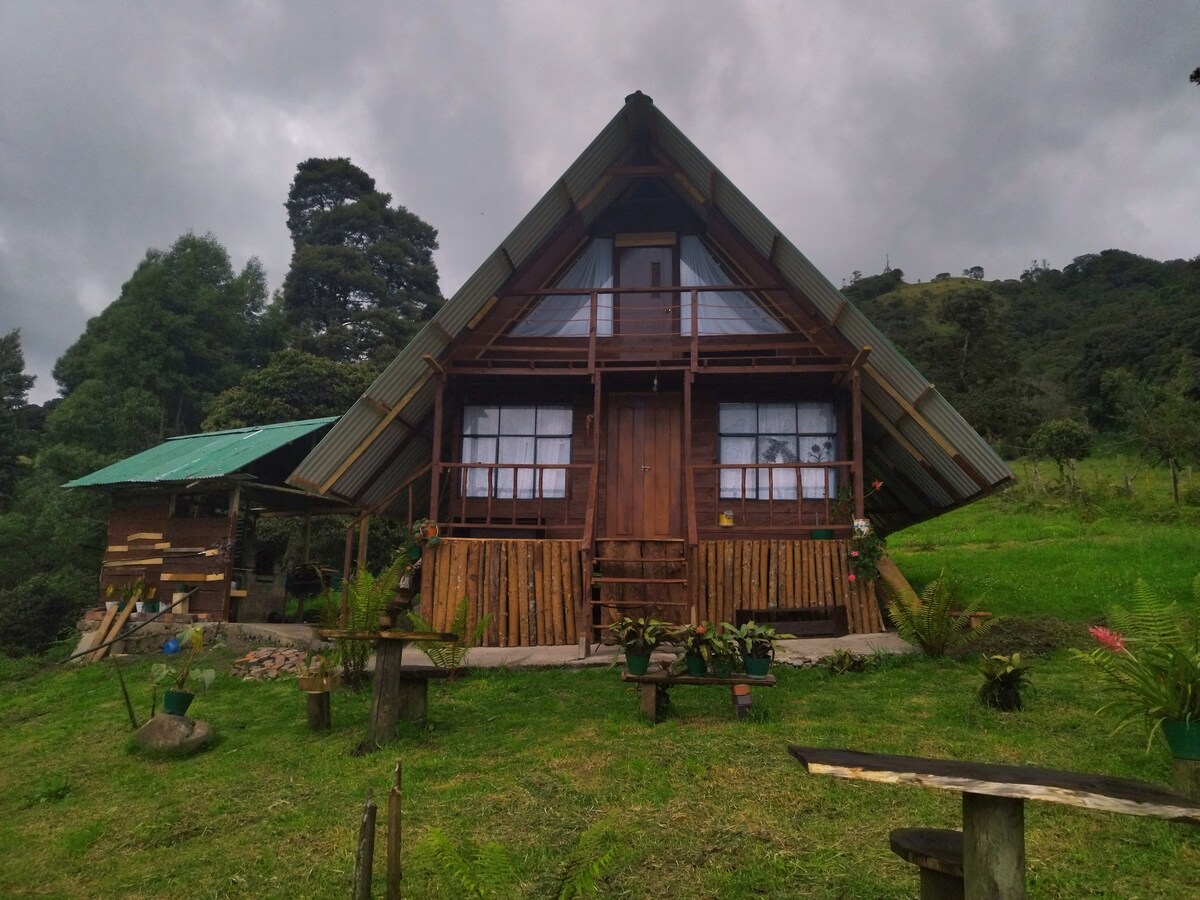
[1107, 343]
[192, 344]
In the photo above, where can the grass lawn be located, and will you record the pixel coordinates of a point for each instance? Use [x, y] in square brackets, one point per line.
[556, 767]
[525, 779]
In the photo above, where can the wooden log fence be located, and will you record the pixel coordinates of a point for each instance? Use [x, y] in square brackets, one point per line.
[768, 574]
[530, 589]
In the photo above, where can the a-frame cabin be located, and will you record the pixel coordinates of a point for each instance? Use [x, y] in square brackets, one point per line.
[648, 400]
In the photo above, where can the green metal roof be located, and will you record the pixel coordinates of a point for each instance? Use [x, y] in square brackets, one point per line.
[198, 457]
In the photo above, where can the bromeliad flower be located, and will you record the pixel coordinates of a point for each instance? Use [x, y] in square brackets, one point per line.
[1108, 638]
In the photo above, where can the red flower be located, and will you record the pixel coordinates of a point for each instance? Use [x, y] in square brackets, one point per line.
[853, 577]
[877, 484]
[854, 553]
[1113, 640]
[700, 629]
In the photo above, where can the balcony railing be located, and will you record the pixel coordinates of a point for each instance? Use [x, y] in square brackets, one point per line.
[764, 496]
[513, 495]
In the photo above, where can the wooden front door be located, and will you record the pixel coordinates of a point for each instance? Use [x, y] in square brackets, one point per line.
[644, 460]
[654, 312]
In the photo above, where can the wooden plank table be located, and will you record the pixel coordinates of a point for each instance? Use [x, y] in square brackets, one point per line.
[394, 695]
[993, 798]
[653, 687]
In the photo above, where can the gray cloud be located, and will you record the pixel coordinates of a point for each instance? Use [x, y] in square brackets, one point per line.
[942, 134]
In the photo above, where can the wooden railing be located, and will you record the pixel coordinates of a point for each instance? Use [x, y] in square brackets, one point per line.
[771, 495]
[502, 500]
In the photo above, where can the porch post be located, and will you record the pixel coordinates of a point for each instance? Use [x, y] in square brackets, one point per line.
[856, 426]
[435, 478]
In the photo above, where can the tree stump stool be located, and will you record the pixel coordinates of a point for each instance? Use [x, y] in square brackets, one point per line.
[938, 853]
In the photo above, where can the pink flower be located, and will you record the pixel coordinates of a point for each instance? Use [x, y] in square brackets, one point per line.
[854, 553]
[877, 484]
[1113, 640]
[853, 578]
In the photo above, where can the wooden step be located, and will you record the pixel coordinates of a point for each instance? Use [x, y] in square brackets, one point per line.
[629, 604]
[605, 579]
[675, 560]
[630, 540]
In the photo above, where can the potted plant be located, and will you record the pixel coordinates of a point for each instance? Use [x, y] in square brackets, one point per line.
[725, 655]
[865, 550]
[757, 645]
[178, 698]
[1149, 664]
[638, 638]
[317, 674]
[699, 642]
[1004, 677]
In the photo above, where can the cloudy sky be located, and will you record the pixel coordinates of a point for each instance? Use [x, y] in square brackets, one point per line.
[940, 135]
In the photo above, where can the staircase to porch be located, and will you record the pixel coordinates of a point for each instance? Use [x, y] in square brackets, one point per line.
[638, 577]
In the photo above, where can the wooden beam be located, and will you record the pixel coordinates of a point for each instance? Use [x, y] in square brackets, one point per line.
[856, 429]
[370, 438]
[145, 536]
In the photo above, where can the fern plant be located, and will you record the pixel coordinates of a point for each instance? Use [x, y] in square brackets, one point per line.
[450, 656]
[936, 622]
[485, 871]
[1149, 663]
[367, 598]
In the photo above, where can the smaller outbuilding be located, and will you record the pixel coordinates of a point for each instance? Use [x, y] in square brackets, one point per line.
[184, 514]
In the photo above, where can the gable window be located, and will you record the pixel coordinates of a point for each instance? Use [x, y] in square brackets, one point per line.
[569, 315]
[514, 442]
[783, 434]
[718, 312]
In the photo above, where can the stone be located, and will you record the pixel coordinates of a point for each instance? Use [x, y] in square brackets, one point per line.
[174, 734]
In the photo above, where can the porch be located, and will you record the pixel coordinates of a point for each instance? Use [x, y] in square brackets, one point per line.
[542, 592]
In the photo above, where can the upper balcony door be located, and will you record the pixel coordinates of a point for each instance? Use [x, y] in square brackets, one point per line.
[643, 458]
[655, 312]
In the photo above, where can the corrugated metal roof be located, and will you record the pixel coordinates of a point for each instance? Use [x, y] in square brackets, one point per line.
[199, 457]
[952, 465]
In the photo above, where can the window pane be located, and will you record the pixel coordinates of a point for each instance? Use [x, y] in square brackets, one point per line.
[480, 450]
[554, 420]
[734, 451]
[738, 418]
[515, 450]
[814, 483]
[553, 450]
[517, 419]
[480, 419]
[817, 418]
[816, 447]
[776, 418]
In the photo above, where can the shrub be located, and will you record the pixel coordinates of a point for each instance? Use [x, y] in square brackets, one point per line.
[933, 623]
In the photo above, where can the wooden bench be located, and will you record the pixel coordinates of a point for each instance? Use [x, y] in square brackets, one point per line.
[938, 853]
[802, 621]
[993, 804]
[653, 687]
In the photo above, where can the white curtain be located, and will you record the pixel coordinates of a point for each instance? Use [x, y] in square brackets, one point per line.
[817, 427]
[569, 315]
[721, 312]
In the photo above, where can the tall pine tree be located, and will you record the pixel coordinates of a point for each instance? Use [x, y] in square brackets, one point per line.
[362, 280]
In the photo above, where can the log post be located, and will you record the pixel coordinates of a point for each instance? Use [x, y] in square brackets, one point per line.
[385, 696]
[993, 847]
[393, 838]
[319, 715]
[364, 858]
[1185, 775]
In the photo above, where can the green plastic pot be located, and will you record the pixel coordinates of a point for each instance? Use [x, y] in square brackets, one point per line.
[637, 663]
[821, 534]
[176, 703]
[1183, 738]
[695, 665]
[756, 667]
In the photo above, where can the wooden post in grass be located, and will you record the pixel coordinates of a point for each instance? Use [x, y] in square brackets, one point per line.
[1186, 777]
[319, 715]
[365, 856]
[393, 839]
[125, 693]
